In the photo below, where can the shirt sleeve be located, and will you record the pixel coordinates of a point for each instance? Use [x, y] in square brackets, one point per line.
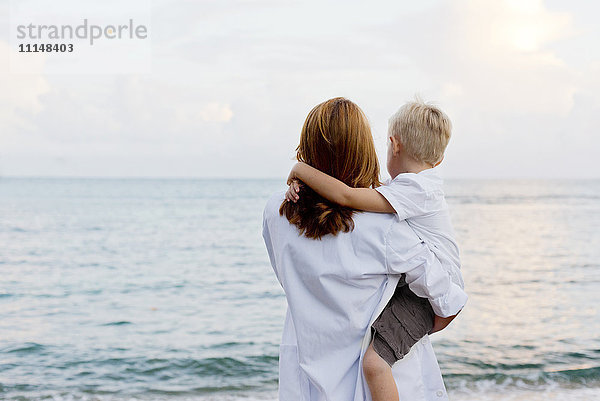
[424, 273]
[266, 234]
[406, 197]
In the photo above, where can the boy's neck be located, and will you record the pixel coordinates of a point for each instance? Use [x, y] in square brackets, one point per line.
[406, 164]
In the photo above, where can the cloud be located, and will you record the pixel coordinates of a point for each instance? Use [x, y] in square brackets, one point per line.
[495, 52]
[216, 112]
[232, 82]
[510, 93]
[21, 95]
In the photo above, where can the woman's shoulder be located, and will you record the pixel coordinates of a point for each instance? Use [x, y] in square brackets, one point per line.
[276, 199]
[273, 204]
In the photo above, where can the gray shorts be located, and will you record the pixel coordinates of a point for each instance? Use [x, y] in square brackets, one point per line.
[405, 320]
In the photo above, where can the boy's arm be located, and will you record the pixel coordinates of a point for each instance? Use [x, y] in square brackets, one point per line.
[425, 275]
[336, 191]
[440, 323]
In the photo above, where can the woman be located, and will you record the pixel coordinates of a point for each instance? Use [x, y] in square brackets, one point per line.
[339, 268]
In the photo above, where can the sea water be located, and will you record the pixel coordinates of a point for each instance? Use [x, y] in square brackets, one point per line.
[155, 289]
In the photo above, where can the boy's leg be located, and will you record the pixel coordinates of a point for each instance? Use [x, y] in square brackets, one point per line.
[379, 377]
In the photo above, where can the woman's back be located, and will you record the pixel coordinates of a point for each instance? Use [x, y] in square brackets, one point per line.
[333, 287]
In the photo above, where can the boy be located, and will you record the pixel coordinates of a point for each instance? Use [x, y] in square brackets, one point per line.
[418, 136]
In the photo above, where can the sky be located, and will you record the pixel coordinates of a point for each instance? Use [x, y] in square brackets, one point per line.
[231, 81]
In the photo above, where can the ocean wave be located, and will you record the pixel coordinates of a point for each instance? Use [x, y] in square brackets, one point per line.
[538, 379]
[520, 199]
[28, 347]
[137, 376]
[551, 392]
[485, 393]
[117, 323]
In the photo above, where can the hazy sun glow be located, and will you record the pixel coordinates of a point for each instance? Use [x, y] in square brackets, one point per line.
[526, 25]
[526, 37]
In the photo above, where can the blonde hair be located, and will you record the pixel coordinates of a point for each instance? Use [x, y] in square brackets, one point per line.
[423, 129]
[336, 139]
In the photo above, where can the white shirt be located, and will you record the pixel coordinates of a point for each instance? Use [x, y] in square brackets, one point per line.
[419, 199]
[335, 288]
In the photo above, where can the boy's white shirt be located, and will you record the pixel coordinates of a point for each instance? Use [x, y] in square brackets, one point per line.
[419, 199]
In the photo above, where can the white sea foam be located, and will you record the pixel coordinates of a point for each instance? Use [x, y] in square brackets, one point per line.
[490, 393]
[558, 394]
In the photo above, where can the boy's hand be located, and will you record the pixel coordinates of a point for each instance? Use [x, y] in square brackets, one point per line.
[291, 195]
[440, 323]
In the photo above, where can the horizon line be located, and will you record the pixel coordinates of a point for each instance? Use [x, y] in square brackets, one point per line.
[232, 178]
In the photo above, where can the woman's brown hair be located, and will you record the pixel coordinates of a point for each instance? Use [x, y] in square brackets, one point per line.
[336, 139]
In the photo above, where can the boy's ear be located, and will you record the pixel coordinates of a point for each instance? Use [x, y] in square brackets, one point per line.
[440, 162]
[396, 145]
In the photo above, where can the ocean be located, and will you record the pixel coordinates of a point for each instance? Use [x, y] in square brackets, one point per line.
[161, 289]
